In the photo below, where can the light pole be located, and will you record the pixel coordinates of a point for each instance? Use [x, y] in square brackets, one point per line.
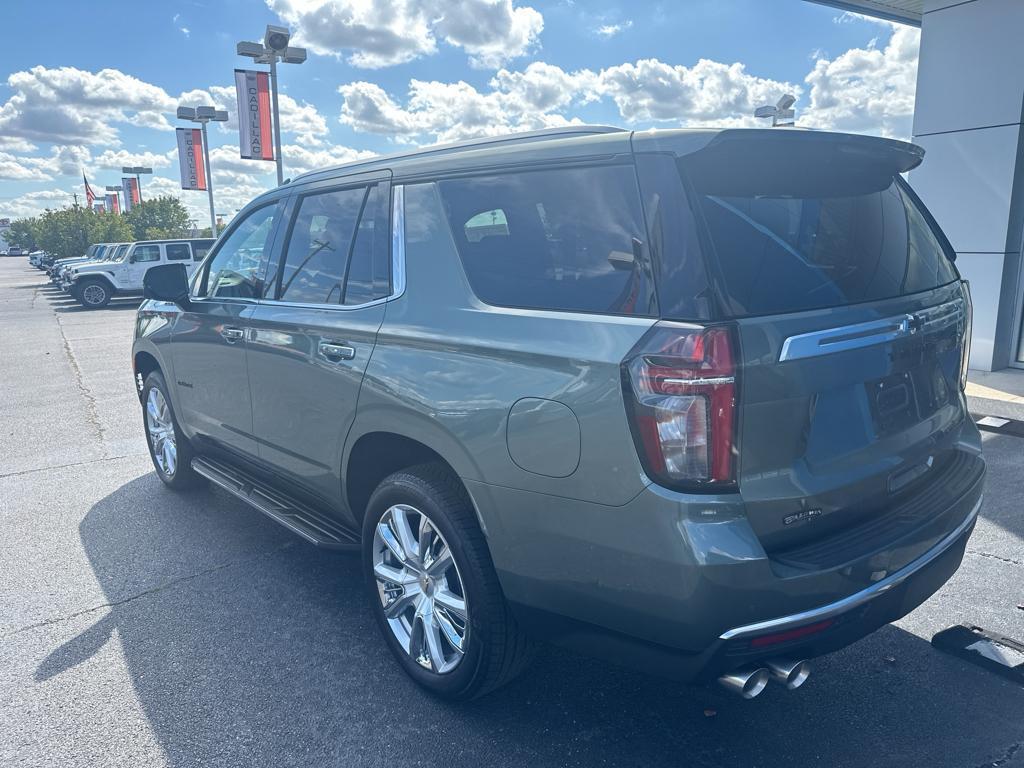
[136, 170]
[204, 115]
[782, 113]
[274, 48]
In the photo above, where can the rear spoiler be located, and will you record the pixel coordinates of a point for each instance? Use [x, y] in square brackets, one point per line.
[804, 163]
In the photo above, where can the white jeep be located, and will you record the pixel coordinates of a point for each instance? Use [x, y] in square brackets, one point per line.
[95, 284]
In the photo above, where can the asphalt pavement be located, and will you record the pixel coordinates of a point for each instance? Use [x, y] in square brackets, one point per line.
[140, 627]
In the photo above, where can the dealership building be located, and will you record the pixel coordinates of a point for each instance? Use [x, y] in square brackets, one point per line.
[968, 118]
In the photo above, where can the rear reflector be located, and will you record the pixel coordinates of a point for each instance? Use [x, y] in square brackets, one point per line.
[791, 634]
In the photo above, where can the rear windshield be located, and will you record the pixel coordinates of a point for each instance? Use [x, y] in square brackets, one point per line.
[798, 238]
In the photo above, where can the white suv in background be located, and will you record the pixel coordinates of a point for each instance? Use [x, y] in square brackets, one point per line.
[95, 284]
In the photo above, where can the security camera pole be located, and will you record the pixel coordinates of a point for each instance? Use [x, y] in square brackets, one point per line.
[273, 48]
[204, 115]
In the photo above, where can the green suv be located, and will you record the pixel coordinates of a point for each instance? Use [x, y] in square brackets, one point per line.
[688, 400]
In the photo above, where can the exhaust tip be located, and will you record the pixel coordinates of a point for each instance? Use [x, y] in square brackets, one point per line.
[747, 682]
[788, 672]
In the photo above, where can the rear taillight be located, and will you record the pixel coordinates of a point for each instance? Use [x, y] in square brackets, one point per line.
[680, 385]
[965, 351]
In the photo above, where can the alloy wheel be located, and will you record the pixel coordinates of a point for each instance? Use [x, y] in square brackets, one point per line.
[420, 589]
[160, 427]
[93, 294]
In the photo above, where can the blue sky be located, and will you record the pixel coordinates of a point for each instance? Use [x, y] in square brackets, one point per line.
[96, 88]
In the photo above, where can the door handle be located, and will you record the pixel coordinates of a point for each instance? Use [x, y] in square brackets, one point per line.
[336, 352]
[231, 335]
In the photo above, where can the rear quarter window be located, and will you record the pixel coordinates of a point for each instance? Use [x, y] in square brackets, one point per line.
[561, 239]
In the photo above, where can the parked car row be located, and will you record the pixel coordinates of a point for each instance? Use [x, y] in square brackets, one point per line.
[107, 270]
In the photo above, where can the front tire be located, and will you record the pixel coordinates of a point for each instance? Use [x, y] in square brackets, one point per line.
[169, 449]
[94, 293]
[433, 588]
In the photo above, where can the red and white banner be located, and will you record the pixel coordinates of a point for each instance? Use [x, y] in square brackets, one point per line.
[252, 90]
[190, 158]
[99, 207]
[130, 185]
[112, 203]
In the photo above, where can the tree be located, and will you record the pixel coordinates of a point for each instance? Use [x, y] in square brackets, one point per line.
[67, 232]
[157, 218]
[22, 233]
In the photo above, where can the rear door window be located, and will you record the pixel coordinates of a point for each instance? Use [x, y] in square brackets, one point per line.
[562, 239]
[178, 252]
[811, 238]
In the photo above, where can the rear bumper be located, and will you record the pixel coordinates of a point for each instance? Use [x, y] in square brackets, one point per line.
[687, 592]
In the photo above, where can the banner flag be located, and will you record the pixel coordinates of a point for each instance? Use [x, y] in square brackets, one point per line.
[190, 158]
[130, 185]
[99, 207]
[112, 204]
[252, 89]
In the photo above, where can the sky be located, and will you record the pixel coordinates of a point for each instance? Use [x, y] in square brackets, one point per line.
[89, 87]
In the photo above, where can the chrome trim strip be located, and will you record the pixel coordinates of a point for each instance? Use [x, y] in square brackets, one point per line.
[397, 241]
[859, 335]
[705, 382]
[859, 598]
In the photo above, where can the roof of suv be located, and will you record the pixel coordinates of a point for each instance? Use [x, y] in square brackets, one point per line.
[583, 142]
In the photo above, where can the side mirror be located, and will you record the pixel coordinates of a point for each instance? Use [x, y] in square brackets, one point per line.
[167, 282]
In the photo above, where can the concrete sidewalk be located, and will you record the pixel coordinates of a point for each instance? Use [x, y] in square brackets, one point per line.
[997, 393]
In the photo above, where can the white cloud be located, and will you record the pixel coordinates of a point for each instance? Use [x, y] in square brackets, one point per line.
[69, 105]
[611, 30]
[709, 93]
[112, 159]
[866, 90]
[380, 33]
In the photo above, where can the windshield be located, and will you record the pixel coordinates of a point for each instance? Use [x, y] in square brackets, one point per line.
[100, 250]
[810, 237]
[120, 253]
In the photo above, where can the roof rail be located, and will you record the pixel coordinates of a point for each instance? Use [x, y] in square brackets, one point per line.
[524, 137]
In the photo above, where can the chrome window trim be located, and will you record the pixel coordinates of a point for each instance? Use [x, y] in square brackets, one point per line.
[397, 240]
[859, 598]
[859, 335]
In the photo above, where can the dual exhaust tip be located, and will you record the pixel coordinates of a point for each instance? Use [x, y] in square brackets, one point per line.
[748, 682]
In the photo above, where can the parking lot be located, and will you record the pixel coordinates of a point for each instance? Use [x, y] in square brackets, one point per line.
[141, 627]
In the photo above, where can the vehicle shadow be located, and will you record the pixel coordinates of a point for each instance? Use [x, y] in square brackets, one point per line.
[248, 647]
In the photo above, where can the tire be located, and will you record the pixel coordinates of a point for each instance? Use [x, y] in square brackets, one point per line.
[173, 463]
[494, 647]
[93, 293]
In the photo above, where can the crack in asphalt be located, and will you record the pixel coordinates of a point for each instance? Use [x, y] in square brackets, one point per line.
[1005, 758]
[146, 592]
[92, 415]
[68, 466]
[1000, 558]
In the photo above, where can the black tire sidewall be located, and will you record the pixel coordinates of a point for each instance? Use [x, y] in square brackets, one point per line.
[404, 488]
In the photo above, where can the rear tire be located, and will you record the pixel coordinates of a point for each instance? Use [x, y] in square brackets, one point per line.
[462, 602]
[93, 293]
[169, 449]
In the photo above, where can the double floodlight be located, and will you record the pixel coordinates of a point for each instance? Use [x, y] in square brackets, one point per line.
[135, 169]
[274, 45]
[202, 114]
[782, 114]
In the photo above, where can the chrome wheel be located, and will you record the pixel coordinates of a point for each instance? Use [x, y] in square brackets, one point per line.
[94, 294]
[420, 588]
[160, 427]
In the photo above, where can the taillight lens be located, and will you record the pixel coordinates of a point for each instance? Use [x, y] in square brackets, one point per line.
[681, 392]
[965, 351]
